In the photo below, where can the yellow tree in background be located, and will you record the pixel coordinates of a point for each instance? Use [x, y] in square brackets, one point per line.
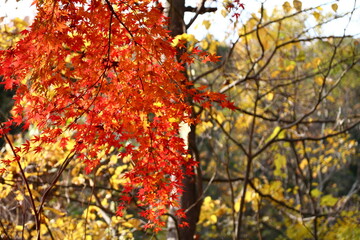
[284, 164]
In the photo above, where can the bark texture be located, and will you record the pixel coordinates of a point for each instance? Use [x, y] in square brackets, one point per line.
[191, 198]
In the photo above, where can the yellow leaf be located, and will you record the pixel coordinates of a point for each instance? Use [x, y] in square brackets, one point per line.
[157, 104]
[113, 159]
[290, 68]
[316, 192]
[270, 96]
[56, 211]
[35, 193]
[316, 15]
[334, 7]
[275, 133]
[172, 120]
[280, 164]
[319, 80]
[70, 144]
[286, 7]
[189, 37]
[316, 62]
[297, 5]
[19, 197]
[275, 74]
[213, 219]
[135, 222]
[213, 47]
[206, 23]
[303, 164]
[204, 44]
[4, 190]
[183, 37]
[237, 206]
[126, 159]
[29, 224]
[328, 200]
[331, 99]
[248, 196]
[18, 228]
[307, 65]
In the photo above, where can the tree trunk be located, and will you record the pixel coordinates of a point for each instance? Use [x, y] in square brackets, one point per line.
[190, 200]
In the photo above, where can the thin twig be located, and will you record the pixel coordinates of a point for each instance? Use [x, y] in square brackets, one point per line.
[22, 173]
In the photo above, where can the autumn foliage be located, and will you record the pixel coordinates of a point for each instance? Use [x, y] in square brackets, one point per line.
[106, 75]
[104, 89]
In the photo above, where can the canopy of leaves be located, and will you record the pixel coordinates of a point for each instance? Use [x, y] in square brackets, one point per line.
[105, 74]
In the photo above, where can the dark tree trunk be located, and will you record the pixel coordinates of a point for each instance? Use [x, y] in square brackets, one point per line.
[190, 199]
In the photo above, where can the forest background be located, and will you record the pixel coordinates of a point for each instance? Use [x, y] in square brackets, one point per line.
[283, 164]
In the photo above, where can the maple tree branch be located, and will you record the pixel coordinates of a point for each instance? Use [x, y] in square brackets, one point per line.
[218, 66]
[55, 179]
[118, 18]
[22, 173]
[109, 38]
[176, 223]
[200, 198]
